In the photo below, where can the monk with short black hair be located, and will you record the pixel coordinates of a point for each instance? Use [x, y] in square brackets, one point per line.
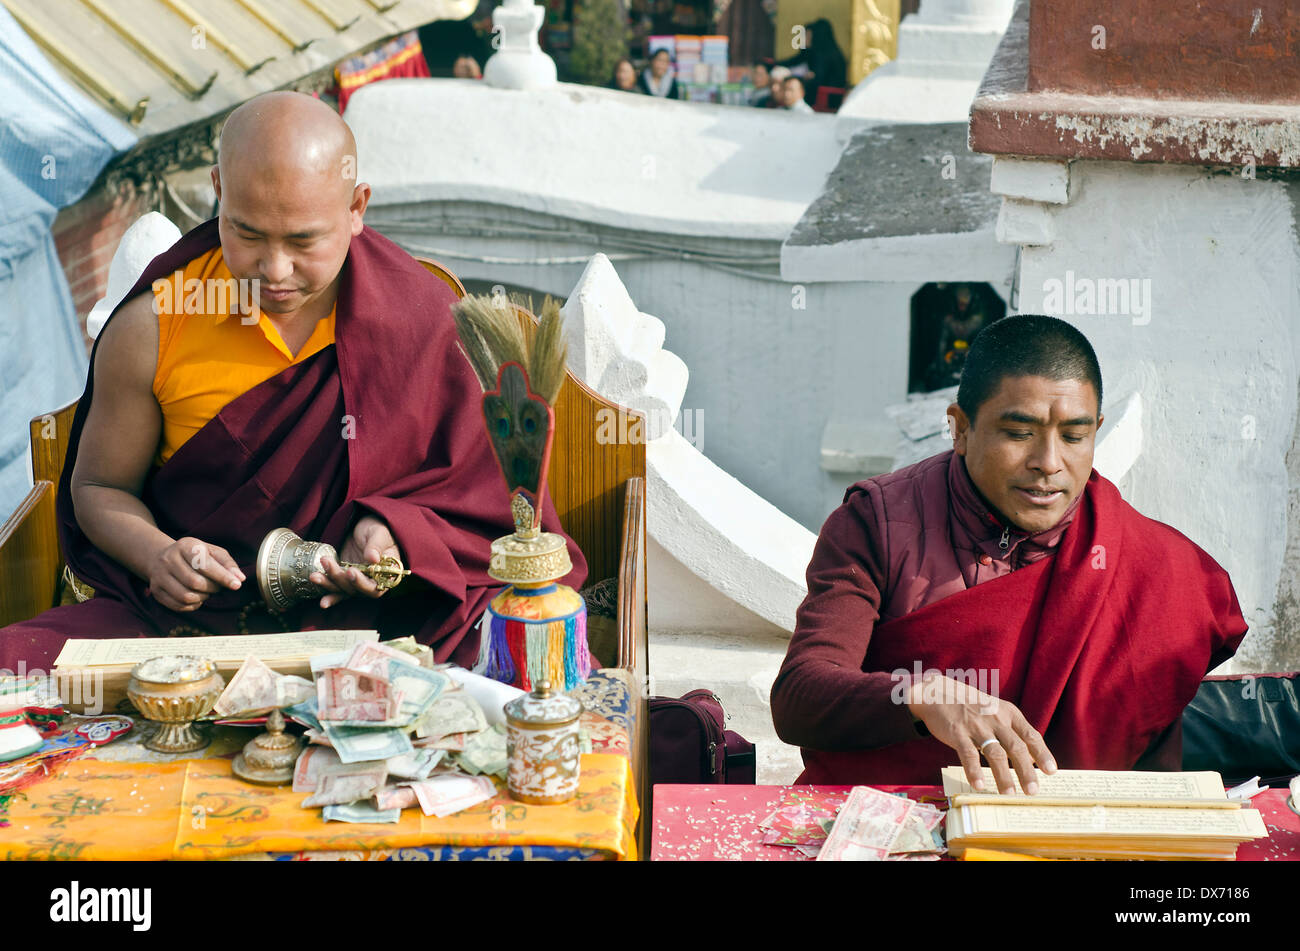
[338, 404]
[1000, 599]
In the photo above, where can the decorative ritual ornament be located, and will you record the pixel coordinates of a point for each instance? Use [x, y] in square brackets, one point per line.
[268, 758]
[542, 743]
[17, 735]
[535, 629]
[285, 563]
[174, 691]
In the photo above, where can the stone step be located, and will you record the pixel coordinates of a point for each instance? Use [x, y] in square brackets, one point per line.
[739, 669]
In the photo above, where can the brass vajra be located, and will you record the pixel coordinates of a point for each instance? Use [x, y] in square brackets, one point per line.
[385, 575]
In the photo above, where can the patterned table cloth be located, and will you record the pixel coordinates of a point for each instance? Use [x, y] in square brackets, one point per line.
[129, 803]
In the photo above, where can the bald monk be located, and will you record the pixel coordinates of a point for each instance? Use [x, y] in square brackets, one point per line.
[340, 407]
[1001, 599]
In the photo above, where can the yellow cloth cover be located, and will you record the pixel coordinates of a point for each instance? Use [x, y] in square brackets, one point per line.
[205, 358]
[195, 809]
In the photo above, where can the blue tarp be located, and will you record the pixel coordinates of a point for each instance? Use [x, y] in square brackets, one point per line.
[54, 142]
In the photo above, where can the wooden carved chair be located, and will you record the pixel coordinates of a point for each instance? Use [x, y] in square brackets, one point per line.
[598, 488]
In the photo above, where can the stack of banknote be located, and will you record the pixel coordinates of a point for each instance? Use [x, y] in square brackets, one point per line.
[387, 729]
[875, 826]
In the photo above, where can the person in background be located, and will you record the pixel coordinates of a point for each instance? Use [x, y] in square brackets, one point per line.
[657, 78]
[777, 75]
[466, 67]
[792, 95]
[762, 85]
[821, 57]
[625, 77]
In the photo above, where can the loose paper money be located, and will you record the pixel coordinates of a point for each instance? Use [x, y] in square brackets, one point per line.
[803, 817]
[251, 691]
[919, 832]
[338, 788]
[350, 696]
[415, 687]
[375, 659]
[313, 762]
[358, 744]
[453, 712]
[409, 645]
[485, 752]
[865, 830]
[444, 794]
[453, 743]
[395, 797]
[416, 765]
[305, 713]
[360, 812]
[317, 762]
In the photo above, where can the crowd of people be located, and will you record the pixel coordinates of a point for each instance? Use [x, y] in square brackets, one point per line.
[790, 83]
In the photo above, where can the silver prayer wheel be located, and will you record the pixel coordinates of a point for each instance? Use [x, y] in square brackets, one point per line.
[285, 563]
[542, 743]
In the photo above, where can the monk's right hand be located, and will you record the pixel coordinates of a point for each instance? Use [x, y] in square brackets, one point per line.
[183, 574]
[959, 715]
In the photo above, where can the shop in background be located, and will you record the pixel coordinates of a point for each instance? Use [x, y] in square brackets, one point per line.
[703, 73]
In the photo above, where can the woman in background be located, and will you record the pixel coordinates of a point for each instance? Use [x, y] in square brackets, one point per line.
[822, 59]
[624, 77]
[657, 78]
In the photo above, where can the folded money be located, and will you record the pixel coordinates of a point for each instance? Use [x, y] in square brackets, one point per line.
[454, 742]
[415, 765]
[409, 645]
[313, 762]
[304, 713]
[317, 762]
[485, 752]
[344, 695]
[451, 712]
[360, 812]
[412, 687]
[444, 794]
[251, 691]
[867, 826]
[356, 744]
[337, 789]
[395, 797]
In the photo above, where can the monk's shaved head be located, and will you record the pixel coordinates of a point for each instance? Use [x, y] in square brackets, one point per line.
[290, 202]
[282, 134]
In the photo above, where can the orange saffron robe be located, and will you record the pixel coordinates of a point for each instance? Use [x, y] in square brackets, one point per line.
[208, 353]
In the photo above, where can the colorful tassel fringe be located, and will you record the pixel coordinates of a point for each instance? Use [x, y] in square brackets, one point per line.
[524, 652]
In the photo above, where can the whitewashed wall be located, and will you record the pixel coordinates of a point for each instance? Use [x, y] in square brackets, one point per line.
[1215, 360]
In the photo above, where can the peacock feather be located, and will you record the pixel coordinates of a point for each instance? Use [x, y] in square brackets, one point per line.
[521, 379]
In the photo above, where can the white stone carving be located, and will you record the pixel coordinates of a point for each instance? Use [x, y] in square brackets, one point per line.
[148, 236]
[722, 558]
[519, 62]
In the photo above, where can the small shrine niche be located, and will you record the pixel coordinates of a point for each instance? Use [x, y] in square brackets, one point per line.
[946, 317]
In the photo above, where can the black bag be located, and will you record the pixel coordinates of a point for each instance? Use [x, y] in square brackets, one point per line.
[689, 743]
[1244, 725]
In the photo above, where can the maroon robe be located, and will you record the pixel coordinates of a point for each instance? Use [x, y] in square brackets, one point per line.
[1101, 646]
[397, 385]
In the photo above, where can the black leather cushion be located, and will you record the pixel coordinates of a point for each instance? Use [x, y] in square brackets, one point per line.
[1244, 726]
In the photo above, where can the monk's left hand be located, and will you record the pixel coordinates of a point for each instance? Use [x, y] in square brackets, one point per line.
[371, 541]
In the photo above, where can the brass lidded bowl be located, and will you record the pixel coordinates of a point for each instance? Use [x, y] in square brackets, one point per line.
[174, 691]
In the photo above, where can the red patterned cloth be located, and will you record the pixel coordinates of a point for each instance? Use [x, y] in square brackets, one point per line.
[400, 57]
